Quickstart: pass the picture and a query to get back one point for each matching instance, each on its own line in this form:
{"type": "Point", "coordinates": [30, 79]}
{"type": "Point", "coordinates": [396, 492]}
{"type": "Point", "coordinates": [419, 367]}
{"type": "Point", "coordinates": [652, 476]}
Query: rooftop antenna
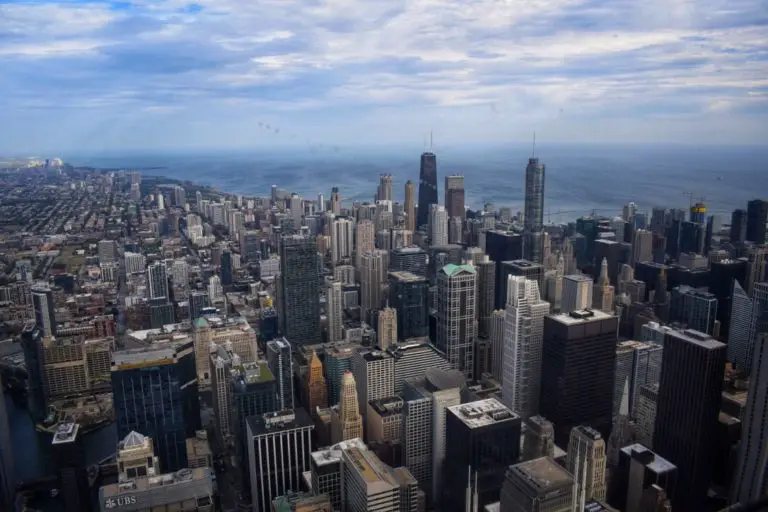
{"type": "Point", "coordinates": [534, 145]}
{"type": "Point", "coordinates": [430, 141]}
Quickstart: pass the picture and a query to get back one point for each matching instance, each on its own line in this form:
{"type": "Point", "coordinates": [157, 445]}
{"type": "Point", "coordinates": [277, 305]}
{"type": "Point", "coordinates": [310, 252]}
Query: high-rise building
{"type": "Point", "coordinates": [577, 293]}
{"type": "Point", "coordinates": [537, 485]}
{"type": "Point", "coordinates": [342, 231]}
{"type": "Point", "coordinates": [299, 289]}
{"type": "Point", "coordinates": [688, 408]}
{"type": "Point", "coordinates": [374, 373]}
{"type": "Point", "coordinates": [525, 268]}
{"type": "Point", "coordinates": [427, 187]}
{"type": "Point", "coordinates": [279, 448]}
{"type": "Point", "coordinates": [338, 360]}
{"type": "Point", "coordinates": [334, 310]}
{"type": "Point", "coordinates": [346, 420]}
{"type": "Point", "coordinates": [751, 475]}
{"type": "Point", "coordinates": [107, 251]}
{"type": "Point", "coordinates": [413, 360]}
{"type": "Point", "coordinates": [227, 267]}
{"type": "Point", "coordinates": [486, 293]}
{"type": "Point", "coordinates": [456, 324]}
{"type": "Point", "coordinates": [68, 448]}
{"type": "Point", "coordinates": [45, 315]}
{"type": "Point", "coordinates": [372, 273]}
{"type": "Point", "coordinates": [502, 246]}
{"type": "Point", "coordinates": [637, 364]}
{"type": "Point", "coordinates": [533, 216]}
{"type": "Point", "coordinates": [602, 291]}
{"type": "Point", "coordinates": [155, 392]}
{"type": "Point", "coordinates": [409, 259]}
{"type": "Point", "coordinates": [249, 245]}
{"type": "Point", "coordinates": [317, 391]}
{"type": "Point", "coordinates": [642, 246]}
{"type": "Point", "coordinates": [639, 468]}
{"type": "Point", "coordinates": [539, 438]}
{"type": "Point", "coordinates": [694, 308]}
{"type": "Point", "coordinates": [387, 328]}
{"type": "Point", "coordinates": [384, 193]}
{"type": "Point", "coordinates": [408, 295]}
{"type": "Point", "coordinates": [523, 338]}
{"type": "Point", "coordinates": [586, 462]}
{"type": "Point", "coordinates": [746, 322]}
{"type": "Point", "coordinates": [7, 470]}
{"type": "Point", "coordinates": [497, 344]}
{"type": "Point", "coordinates": [474, 471]}
{"type": "Point", "coordinates": [756, 267]}
{"type": "Point", "coordinates": [417, 433]}
{"type": "Point", "coordinates": [410, 206]}
{"type": "Point", "coordinates": [757, 216]}
{"type": "Point", "coordinates": [281, 366]}
{"type": "Point", "coordinates": [738, 232]}
{"type": "Point", "coordinates": [645, 413]}
{"type": "Point", "coordinates": [454, 196]}
{"type": "Point", "coordinates": [158, 280]}
{"type": "Point", "coordinates": [31, 343]}
{"type": "Point", "coordinates": [438, 225]}
{"type": "Point", "coordinates": [578, 371]}
{"type": "Point", "coordinates": [222, 360]}
{"type": "Point", "coordinates": [369, 484]}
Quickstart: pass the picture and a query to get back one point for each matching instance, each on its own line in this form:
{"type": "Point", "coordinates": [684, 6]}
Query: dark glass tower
{"type": "Point", "coordinates": [299, 306]}
{"type": "Point", "coordinates": [226, 268]}
{"type": "Point", "coordinates": [533, 220]}
{"type": "Point", "coordinates": [757, 215]}
{"type": "Point", "coordinates": [482, 439]}
{"type": "Point", "coordinates": [577, 372]}
{"type": "Point", "coordinates": [501, 246]}
{"type": "Point", "coordinates": [687, 412]}
{"type": "Point", "coordinates": [738, 227]}
{"type": "Point", "coordinates": [427, 187]}
{"type": "Point", "coordinates": [31, 344]}
{"type": "Point", "coordinates": [45, 317]}
{"type": "Point", "coordinates": [408, 295]}
{"type": "Point", "coordinates": [280, 364]}
{"type": "Point", "coordinates": [156, 394]}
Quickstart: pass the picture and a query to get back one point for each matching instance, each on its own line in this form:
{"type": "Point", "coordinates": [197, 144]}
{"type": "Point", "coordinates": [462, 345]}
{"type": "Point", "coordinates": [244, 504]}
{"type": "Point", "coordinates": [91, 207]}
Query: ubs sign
{"type": "Point", "coordinates": [122, 501]}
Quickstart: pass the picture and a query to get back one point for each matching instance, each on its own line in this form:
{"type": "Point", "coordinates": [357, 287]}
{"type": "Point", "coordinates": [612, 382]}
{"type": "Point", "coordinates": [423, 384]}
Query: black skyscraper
{"type": "Point", "coordinates": [31, 344]}
{"type": "Point", "coordinates": [501, 246]}
{"type": "Point", "coordinates": [69, 451]}
{"type": "Point", "coordinates": [721, 277]}
{"type": "Point", "coordinates": [524, 268]}
{"type": "Point", "coordinates": [577, 372]}
{"type": "Point", "coordinates": [226, 268]}
{"type": "Point", "coordinates": [687, 412]}
{"type": "Point", "coordinates": [408, 294]}
{"type": "Point", "coordinates": [738, 227]}
{"type": "Point", "coordinates": [299, 306]}
{"type": "Point", "coordinates": [757, 215]}
{"type": "Point", "coordinates": [427, 187]}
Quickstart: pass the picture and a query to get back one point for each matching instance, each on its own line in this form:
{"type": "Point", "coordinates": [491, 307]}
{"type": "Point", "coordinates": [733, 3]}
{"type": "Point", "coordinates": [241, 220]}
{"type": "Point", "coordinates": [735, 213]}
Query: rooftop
{"type": "Point", "coordinates": [374, 355]}
{"type": "Point", "coordinates": [581, 316]}
{"type": "Point", "coordinates": [452, 270]}
{"type": "Point", "coordinates": [279, 421]}
{"type": "Point", "coordinates": [251, 373]}
{"type": "Point", "coordinates": [332, 454]}
{"type": "Point", "coordinates": [522, 263]}
{"type": "Point", "coordinates": [160, 355]}
{"type": "Point", "coordinates": [483, 412]}
{"type": "Point", "coordinates": [201, 478]}
{"type": "Point", "coordinates": [544, 474]}
{"type": "Point", "coordinates": [578, 277]}
{"type": "Point", "coordinates": [387, 406]}
{"type": "Point", "coordinates": [701, 339]}
{"type": "Point", "coordinates": [659, 463]}
{"type": "Point", "coordinates": [65, 433]}
{"type": "Point", "coordinates": [407, 277]}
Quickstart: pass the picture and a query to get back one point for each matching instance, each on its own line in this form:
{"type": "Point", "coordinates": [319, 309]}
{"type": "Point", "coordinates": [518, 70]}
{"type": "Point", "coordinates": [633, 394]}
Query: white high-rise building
{"type": "Point", "coordinates": [334, 310]}
{"type": "Point", "coordinates": [342, 232]}
{"type": "Point", "coordinates": [523, 338]}
{"type": "Point", "coordinates": [134, 263]}
{"type": "Point", "coordinates": [374, 373]}
{"type": "Point", "coordinates": [577, 293]}
{"type": "Point", "coordinates": [297, 210]}
{"type": "Point", "coordinates": [364, 240]}
{"type": "Point", "coordinates": [586, 462]}
{"type": "Point", "coordinates": [179, 273]}
{"type": "Point", "coordinates": [372, 273]}
{"type": "Point", "coordinates": [497, 345]}
{"type": "Point", "coordinates": [215, 290]}
{"type": "Point", "coordinates": [438, 225]}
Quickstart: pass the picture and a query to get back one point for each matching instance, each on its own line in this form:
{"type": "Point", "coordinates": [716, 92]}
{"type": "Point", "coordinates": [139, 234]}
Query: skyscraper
{"type": "Point", "coordinates": [31, 344]}
{"type": "Point", "coordinates": [738, 231]}
{"type": "Point", "coordinates": [438, 225]}
{"type": "Point", "coordinates": [342, 231]}
{"type": "Point", "coordinates": [533, 219]}
{"type": "Point", "coordinates": [746, 322]}
{"type": "Point", "coordinates": [374, 373]}
{"type": "Point", "coordinates": [482, 440]}
{"type": "Point", "coordinates": [45, 315]}
{"type": "Point", "coordinates": [387, 328]}
{"type": "Point", "coordinates": [525, 268]}
{"type": "Point", "coordinates": [384, 193]}
{"type": "Point", "coordinates": [751, 475]}
{"type": "Point", "coordinates": [346, 421]}
{"type": "Point", "coordinates": [372, 272]}
{"type": "Point", "coordinates": [334, 310]}
{"type": "Point", "coordinates": [523, 337]}
{"type": "Point", "coordinates": [317, 391]}
{"type": "Point", "coordinates": [155, 392]}
{"type": "Point", "coordinates": [637, 364]}
{"type": "Point", "coordinates": [158, 280]}
{"type": "Point", "coordinates": [299, 289]}
{"type": "Point", "coordinates": [410, 206]}
{"type": "Point", "coordinates": [280, 364]}
{"type": "Point", "coordinates": [486, 293]}
{"type": "Point", "coordinates": [279, 448]}
{"type": "Point", "coordinates": [456, 324]}
{"type": "Point", "coordinates": [408, 295]}
{"type": "Point", "coordinates": [757, 215]}
{"type": "Point", "coordinates": [538, 485]}
{"type": "Point", "coordinates": [694, 308]}
{"type": "Point", "coordinates": [688, 408]}
{"type": "Point", "coordinates": [586, 462]}
{"type": "Point", "coordinates": [410, 259]}
{"type": "Point", "coordinates": [602, 292]}
{"type": "Point", "coordinates": [7, 473]}
{"type": "Point", "coordinates": [639, 468]}
{"type": "Point", "coordinates": [577, 293]}
{"type": "Point", "coordinates": [454, 196]}
{"type": "Point", "coordinates": [578, 371]}
{"type": "Point", "coordinates": [427, 187]}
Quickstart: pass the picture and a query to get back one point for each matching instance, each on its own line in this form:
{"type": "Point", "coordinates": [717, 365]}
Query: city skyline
{"type": "Point", "coordinates": [137, 75]}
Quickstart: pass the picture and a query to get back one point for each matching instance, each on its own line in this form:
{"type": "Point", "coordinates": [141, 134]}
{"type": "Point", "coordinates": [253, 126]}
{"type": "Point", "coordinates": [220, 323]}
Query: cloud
{"type": "Point", "coordinates": [385, 69]}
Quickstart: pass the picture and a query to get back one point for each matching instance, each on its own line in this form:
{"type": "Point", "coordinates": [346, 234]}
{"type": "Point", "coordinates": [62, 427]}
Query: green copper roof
{"type": "Point", "coordinates": [452, 269]}
{"type": "Point", "coordinates": [201, 323]}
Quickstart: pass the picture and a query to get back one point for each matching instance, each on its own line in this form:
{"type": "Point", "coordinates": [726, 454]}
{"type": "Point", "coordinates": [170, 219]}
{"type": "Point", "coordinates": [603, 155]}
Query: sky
{"type": "Point", "coordinates": [170, 74]}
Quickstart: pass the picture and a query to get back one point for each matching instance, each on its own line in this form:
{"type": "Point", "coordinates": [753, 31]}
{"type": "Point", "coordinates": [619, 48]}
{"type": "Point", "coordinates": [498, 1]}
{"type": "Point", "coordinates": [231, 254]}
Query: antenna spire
{"type": "Point", "coordinates": [533, 155]}
{"type": "Point", "coordinates": [430, 140]}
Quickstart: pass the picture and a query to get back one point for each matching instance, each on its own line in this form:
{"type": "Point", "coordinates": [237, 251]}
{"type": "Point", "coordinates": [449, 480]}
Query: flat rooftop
{"type": "Point", "coordinates": [659, 463]}
{"type": "Point", "coordinates": [581, 316]}
{"type": "Point", "coordinates": [374, 355]}
{"type": "Point", "coordinates": [543, 474]}
{"type": "Point", "coordinates": [201, 477]}
{"type": "Point", "coordinates": [578, 277]}
{"type": "Point", "coordinates": [151, 354]}
{"type": "Point", "coordinates": [483, 412]}
{"type": "Point", "coordinates": [274, 422]}
{"type": "Point", "coordinates": [407, 277]}
{"type": "Point", "coordinates": [701, 339]}
{"type": "Point", "coordinates": [332, 454]}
